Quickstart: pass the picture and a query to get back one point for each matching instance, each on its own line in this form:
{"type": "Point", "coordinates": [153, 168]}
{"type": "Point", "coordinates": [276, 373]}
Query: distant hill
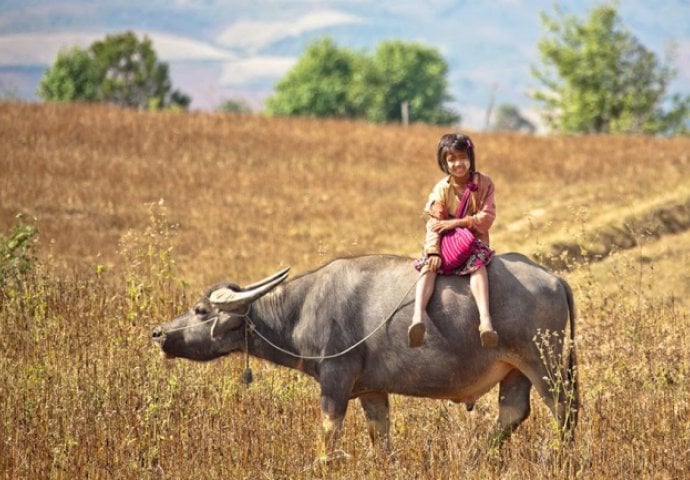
{"type": "Point", "coordinates": [219, 50]}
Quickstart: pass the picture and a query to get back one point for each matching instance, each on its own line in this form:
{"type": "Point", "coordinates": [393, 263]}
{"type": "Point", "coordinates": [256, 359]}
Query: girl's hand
{"type": "Point", "coordinates": [441, 226]}
{"type": "Point", "coordinates": [434, 263]}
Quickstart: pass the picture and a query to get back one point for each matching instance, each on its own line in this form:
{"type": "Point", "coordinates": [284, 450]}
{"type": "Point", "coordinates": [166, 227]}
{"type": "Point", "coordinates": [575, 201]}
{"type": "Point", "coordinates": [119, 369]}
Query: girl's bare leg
{"type": "Point", "coordinates": [423, 292]}
{"type": "Point", "coordinates": [479, 284]}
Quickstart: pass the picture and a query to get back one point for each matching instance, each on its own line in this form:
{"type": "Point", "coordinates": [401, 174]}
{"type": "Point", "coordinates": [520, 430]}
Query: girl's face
{"type": "Point", "coordinates": [458, 164]}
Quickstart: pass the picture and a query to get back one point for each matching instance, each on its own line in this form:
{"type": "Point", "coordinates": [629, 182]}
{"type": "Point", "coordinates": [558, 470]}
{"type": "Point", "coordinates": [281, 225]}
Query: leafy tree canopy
{"type": "Point", "coordinates": [234, 106]}
{"type": "Point", "coordinates": [412, 73]}
{"type": "Point", "coordinates": [509, 119]}
{"type": "Point", "coordinates": [73, 76]}
{"type": "Point", "coordinates": [120, 69]}
{"type": "Point", "coordinates": [331, 81]}
{"type": "Point", "coordinates": [599, 78]}
{"type": "Point", "coordinates": [318, 84]}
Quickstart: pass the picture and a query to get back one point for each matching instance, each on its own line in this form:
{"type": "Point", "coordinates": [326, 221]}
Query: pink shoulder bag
{"type": "Point", "coordinates": [458, 244]}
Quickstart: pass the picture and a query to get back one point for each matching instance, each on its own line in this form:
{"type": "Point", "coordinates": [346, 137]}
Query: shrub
{"type": "Point", "coordinates": [17, 251]}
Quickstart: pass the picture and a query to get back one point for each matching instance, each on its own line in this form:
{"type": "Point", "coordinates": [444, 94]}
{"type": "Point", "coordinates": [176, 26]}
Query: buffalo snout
{"type": "Point", "coordinates": [158, 336]}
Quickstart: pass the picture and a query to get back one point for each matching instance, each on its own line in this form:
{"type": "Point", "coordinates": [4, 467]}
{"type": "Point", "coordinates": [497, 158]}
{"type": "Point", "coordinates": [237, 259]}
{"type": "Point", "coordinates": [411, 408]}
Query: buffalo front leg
{"type": "Point", "coordinates": [333, 408]}
{"type": "Point", "coordinates": [513, 407]}
{"type": "Point", "coordinates": [376, 411]}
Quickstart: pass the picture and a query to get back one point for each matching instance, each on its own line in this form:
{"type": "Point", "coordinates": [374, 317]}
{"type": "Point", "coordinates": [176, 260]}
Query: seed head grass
{"type": "Point", "coordinates": [138, 212]}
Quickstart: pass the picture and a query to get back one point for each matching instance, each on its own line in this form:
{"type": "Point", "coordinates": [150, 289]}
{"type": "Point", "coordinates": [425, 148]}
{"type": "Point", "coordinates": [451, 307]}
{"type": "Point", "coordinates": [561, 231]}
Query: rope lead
{"type": "Point", "coordinates": [247, 376]}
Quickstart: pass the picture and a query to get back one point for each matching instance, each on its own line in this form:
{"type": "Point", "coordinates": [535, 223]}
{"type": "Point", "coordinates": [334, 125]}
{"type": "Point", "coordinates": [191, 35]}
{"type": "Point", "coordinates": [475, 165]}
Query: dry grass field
{"type": "Point", "coordinates": [138, 212]}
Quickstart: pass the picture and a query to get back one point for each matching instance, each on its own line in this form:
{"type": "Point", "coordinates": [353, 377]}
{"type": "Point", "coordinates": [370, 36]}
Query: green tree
{"type": "Point", "coordinates": [120, 69]}
{"type": "Point", "coordinates": [317, 85]}
{"type": "Point", "coordinates": [131, 74]}
{"type": "Point", "coordinates": [599, 78]}
{"type": "Point", "coordinates": [330, 81]}
{"type": "Point", "coordinates": [412, 73]}
{"type": "Point", "coordinates": [509, 119]}
{"type": "Point", "coordinates": [73, 77]}
{"type": "Point", "coordinates": [234, 106]}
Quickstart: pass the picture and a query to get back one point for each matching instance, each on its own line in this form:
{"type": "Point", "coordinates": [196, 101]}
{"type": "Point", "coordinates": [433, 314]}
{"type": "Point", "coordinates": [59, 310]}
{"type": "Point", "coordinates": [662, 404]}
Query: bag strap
{"type": "Point", "coordinates": [464, 201]}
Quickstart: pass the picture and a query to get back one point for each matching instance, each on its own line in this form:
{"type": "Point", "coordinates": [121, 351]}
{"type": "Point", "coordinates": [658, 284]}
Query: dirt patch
{"type": "Point", "coordinates": [630, 232]}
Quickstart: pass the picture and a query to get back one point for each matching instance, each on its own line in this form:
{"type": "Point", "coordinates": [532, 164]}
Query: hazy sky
{"type": "Point", "coordinates": [219, 49]}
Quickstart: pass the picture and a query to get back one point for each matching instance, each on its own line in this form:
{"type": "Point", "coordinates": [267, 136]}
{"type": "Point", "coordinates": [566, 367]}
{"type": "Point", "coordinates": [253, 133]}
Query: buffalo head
{"type": "Point", "coordinates": [215, 325]}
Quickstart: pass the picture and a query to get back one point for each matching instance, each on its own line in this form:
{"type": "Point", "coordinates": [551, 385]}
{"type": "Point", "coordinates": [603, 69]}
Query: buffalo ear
{"type": "Point", "coordinates": [224, 295]}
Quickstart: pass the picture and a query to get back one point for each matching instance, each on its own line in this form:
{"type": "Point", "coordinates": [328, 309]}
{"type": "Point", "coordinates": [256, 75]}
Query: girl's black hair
{"type": "Point", "coordinates": [454, 142]}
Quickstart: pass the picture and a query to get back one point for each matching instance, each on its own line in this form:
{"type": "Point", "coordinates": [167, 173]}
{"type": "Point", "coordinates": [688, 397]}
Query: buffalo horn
{"type": "Point", "coordinates": [267, 279]}
{"type": "Point", "coordinates": [250, 293]}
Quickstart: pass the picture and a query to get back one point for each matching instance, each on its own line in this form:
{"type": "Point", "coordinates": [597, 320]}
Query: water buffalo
{"type": "Point", "coordinates": [345, 324]}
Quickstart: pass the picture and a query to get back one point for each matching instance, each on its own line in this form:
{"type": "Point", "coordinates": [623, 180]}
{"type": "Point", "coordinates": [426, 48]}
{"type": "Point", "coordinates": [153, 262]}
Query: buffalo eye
{"type": "Point", "coordinates": [200, 310]}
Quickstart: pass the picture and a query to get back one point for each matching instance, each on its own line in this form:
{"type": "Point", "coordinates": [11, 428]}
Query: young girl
{"type": "Point", "coordinates": [455, 156]}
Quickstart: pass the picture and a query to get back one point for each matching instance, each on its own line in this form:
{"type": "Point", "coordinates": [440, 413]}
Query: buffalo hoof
{"type": "Point", "coordinates": [489, 338]}
{"type": "Point", "coordinates": [415, 335]}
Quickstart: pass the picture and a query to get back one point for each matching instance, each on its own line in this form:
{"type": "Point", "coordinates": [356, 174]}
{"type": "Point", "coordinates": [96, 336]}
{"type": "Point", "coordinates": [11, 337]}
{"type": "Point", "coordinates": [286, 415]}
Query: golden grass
{"type": "Point", "coordinates": [83, 393]}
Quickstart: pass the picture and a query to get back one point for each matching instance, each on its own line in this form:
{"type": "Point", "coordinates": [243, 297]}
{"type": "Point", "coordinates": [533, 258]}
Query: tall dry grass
{"type": "Point", "coordinates": [83, 393]}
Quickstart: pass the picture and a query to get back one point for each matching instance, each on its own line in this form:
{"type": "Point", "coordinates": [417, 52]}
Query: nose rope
{"type": "Point", "coordinates": [213, 319]}
{"type": "Point", "coordinates": [247, 375]}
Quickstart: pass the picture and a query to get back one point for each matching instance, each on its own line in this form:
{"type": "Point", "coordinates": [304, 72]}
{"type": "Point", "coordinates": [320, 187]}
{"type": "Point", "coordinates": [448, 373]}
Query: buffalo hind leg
{"type": "Point", "coordinates": [513, 407]}
{"type": "Point", "coordinates": [376, 411]}
{"type": "Point", "coordinates": [559, 392]}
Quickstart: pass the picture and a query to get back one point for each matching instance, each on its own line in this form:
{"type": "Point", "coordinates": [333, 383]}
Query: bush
{"type": "Point", "coordinates": [17, 251]}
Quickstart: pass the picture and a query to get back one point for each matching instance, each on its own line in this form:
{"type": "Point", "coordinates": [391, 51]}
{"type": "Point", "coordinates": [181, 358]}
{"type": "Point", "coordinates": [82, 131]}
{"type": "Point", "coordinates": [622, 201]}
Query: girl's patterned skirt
{"type": "Point", "coordinates": [480, 257]}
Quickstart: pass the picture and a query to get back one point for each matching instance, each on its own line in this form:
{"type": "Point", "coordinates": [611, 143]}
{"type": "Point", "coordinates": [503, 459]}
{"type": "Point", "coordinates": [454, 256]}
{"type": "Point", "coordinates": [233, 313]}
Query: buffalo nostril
{"type": "Point", "coordinates": [157, 332]}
